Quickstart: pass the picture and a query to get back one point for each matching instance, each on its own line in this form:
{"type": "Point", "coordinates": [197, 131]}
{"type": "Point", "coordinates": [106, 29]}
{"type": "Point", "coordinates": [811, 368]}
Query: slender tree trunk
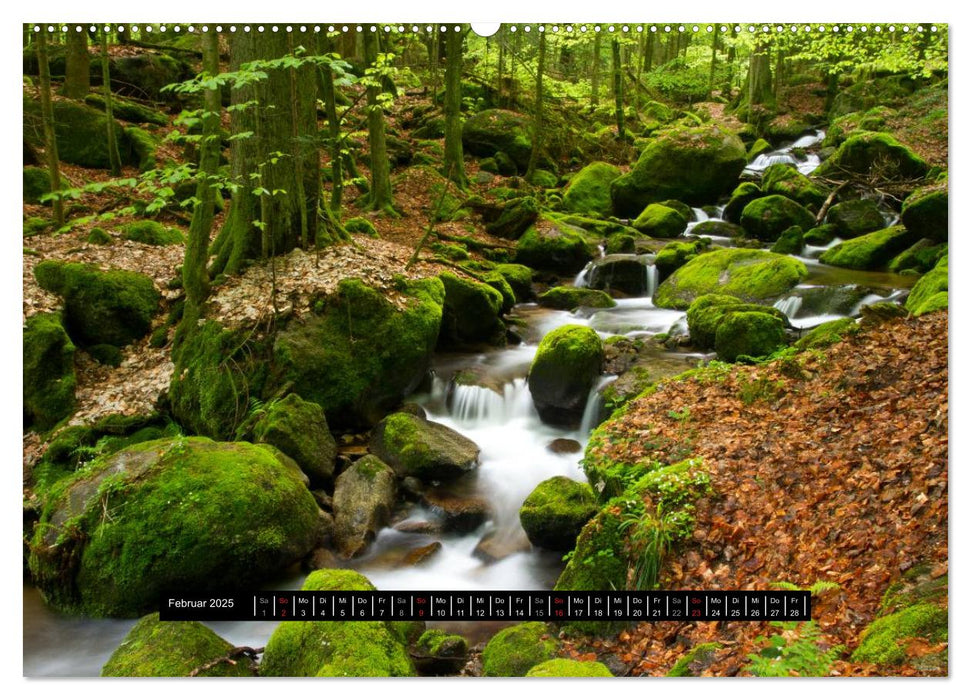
{"type": "Point", "coordinates": [649, 52]}
{"type": "Point", "coordinates": [730, 60]}
{"type": "Point", "coordinates": [714, 60]}
{"type": "Point", "coordinates": [537, 111]}
{"type": "Point", "coordinates": [595, 75]}
{"type": "Point", "coordinates": [380, 196]}
{"type": "Point", "coordinates": [50, 140]}
{"type": "Point", "coordinates": [502, 66]}
{"type": "Point", "coordinates": [113, 156]}
{"type": "Point", "coordinates": [454, 164]}
{"type": "Point", "coordinates": [195, 278]}
{"type": "Point", "coordinates": [77, 74]}
{"type": "Point", "coordinates": [759, 76]}
{"type": "Point", "coordinates": [618, 90]}
{"type": "Point", "coordinates": [328, 94]}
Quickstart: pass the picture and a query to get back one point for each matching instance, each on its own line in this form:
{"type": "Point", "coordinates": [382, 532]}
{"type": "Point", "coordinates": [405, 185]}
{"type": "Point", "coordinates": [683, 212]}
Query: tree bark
{"type": "Point", "coordinates": [380, 195]}
{"type": "Point", "coordinates": [595, 76]}
{"type": "Point", "coordinates": [537, 110]}
{"type": "Point", "coordinates": [618, 90]}
{"type": "Point", "coordinates": [114, 158]}
{"type": "Point", "coordinates": [77, 73]}
{"type": "Point", "coordinates": [714, 60]}
{"type": "Point", "coordinates": [454, 164]}
{"type": "Point", "coordinates": [329, 97]}
{"type": "Point", "coordinates": [50, 141]}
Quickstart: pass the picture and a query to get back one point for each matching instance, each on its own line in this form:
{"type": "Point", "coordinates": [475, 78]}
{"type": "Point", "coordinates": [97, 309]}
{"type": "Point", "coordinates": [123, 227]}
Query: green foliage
{"type": "Point", "coordinates": [795, 652]}
{"type": "Point", "coordinates": [48, 372]}
{"type": "Point", "coordinates": [515, 650]}
{"type": "Point", "coordinates": [682, 666]}
{"type": "Point", "coordinates": [883, 641]}
{"type": "Point", "coordinates": [151, 233]}
{"type": "Point", "coordinates": [568, 668]}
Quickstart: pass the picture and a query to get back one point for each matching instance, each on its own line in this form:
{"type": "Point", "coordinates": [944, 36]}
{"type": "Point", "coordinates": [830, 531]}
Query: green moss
{"type": "Point", "coordinates": [826, 334]}
{"type": "Point", "coordinates": [820, 235]}
{"type": "Point", "coordinates": [884, 641]}
{"type": "Point", "coordinates": [660, 221]}
{"type": "Point", "coordinates": [113, 307]}
{"type": "Point", "coordinates": [34, 225]}
{"type": "Point", "coordinates": [568, 668]}
{"type": "Point", "coordinates": [924, 212]}
{"type": "Point", "coordinates": [128, 111]}
{"type": "Point", "coordinates": [151, 233]}
{"type": "Point", "coordinates": [106, 354]}
{"type": "Point", "coordinates": [182, 514]}
{"type": "Point", "coordinates": [144, 147]}
{"type": "Point", "coordinates": [784, 179]}
{"type": "Point", "coordinates": [543, 178]}
{"type": "Point", "coordinates": [599, 561]}
{"type": "Point", "coordinates": [758, 148]}
{"type": "Point", "coordinates": [682, 666]}
{"type": "Point", "coordinates": [871, 153]}
{"type": "Point", "coordinates": [674, 255]}
{"type": "Point", "coordinates": [517, 215]}
{"type": "Point", "coordinates": [855, 217]}
{"type": "Point", "coordinates": [471, 313]}
{"type": "Point", "coordinates": [566, 365]}
{"type": "Point", "coordinates": [439, 653]}
{"type": "Point", "coordinates": [515, 650]}
{"type": "Point", "coordinates": [363, 354]}
{"type": "Point", "coordinates": [520, 278]}
{"type": "Point", "coordinates": [37, 182]}
{"type": "Point", "coordinates": [676, 485]}
{"type": "Point", "coordinates": [930, 292]}
{"type": "Point", "coordinates": [789, 242]}
{"type": "Point", "coordinates": [498, 282]}
{"type": "Point", "coordinates": [750, 275]}
{"type": "Point", "coordinates": [299, 429]}
{"type": "Point", "coordinates": [156, 649]}
{"type": "Point", "coordinates": [98, 236]}
{"type": "Point", "coordinates": [569, 298]}
{"type": "Point", "coordinates": [555, 512]}
{"type": "Point", "coordinates": [558, 247]}
{"type": "Point", "coordinates": [766, 218]}
{"type": "Point", "coordinates": [920, 257]}
{"type": "Point", "coordinates": [361, 225]}
{"type": "Point", "coordinates": [498, 130]}
{"type": "Point", "coordinates": [749, 334]}
{"type": "Point", "coordinates": [430, 451]}
{"type": "Point", "coordinates": [741, 196]}
{"type": "Point", "coordinates": [48, 372]}
{"type": "Point", "coordinates": [589, 190]}
{"type": "Point", "coordinates": [81, 133]}
{"type": "Point", "coordinates": [620, 243]}
{"type": "Point", "coordinates": [872, 251]}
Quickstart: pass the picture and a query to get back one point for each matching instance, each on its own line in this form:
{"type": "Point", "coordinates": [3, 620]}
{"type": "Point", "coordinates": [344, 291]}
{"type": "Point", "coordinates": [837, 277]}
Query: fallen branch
{"type": "Point", "coordinates": [823, 210]}
{"type": "Point", "coordinates": [230, 658]}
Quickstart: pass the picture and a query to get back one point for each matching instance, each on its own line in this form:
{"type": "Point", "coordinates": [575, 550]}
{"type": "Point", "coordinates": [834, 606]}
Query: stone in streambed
{"type": "Point", "coordinates": [429, 451]}
{"type": "Point", "coordinates": [567, 364]}
{"type": "Point", "coordinates": [364, 497]}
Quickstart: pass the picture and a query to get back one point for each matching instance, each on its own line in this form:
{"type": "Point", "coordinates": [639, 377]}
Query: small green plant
{"type": "Point", "coordinates": [651, 538]}
{"type": "Point", "coordinates": [815, 589]}
{"type": "Point", "coordinates": [760, 389]}
{"type": "Point", "coordinates": [796, 651]}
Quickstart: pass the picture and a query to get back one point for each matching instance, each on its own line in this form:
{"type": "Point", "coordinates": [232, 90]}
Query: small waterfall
{"type": "Point", "coordinates": [789, 305]}
{"type": "Point", "coordinates": [700, 214]}
{"type": "Point", "coordinates": [478, 404]}
{"type": "Point", "coordinates": [650, 274]}
{"type": "Point", "coordinates": [582, 279]}
{"type": "Point", "coordinates": [591, 412]}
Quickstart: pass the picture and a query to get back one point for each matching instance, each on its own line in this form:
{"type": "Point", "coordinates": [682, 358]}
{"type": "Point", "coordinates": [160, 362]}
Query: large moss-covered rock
{"type": "Point", "coordinates": [564, 370]}
{"type": "Point", "coordinates": [81, 134]}
{"type": "Point", "coordinates": [825, 334]}
{"type": "Point", "coordinates": [362, 354]}
{"type": "Point", "coordinates": [784, 179]}
{"type": "Point", "coordinates": [555, 246]}
{"type": "Point", "coordinates": [873, 153]}
{"type": "Point", "coordinates": [299, 429]}
{"type": "Point", "coordinates": [336, 649]}
{"type": "Point", "coordinates": [568, 668]}
{"type": "Point", "coordinates": [930, 292]}
{"type": "Point", "coordinates": [693, 165]}
{"type": "Point", "coordinates": [515, 650]}
{"type": "Point", "coordinates": [589, 190]}
{"type": "Point", "coordinates": [151, 233]}
{"type": "Point", "coordinates": [493, 130]}
{"type": "Point", "coordinates": [855, 217]}
{"type": "Point", "coordinates": [789, 242]}
{"type": "Point", "coordinates": [555, 512]}
{"type": "Point", "coordinates": [925, 212]}
{"type": "Point", "coordinates": [751, 275]}
{"type": "Point", "coordinates": [37, 182]}
{"type": "Point", "coordinates": [438, 653]}
{"type": "Point", "coordinates": [660, 221]}
{"type": "Point", "coordinates": [598, 562]}
{"type": "Point", "coordinates": [414, 446]}
{"type": "Point", "coordinates": [872, 251]}
{"type": "Point", "coordinates": [674, 255]}
{"type": "Point", "coordinates": [144, 147]}
{"type": "Point", "coordinates": [767, 217]}
{"type": "Point", "coordinates": [114, 307]}
{"type": "Point", "coordinates": [49, 378]}
{"type": "Point", "coordinates": [471, 313]}
{"type": "Point", "coordinates": [364, 497]}
{"type": "Point", "coordinates": [516, 217]}
{"type": "Point", "coordinates": [619, 273]}
{"type": "Point", "coordinates": [128, 111]}
{"type": "Point", "coordinates": [707, 312]}
{"type": "Point", "coordinates": [741, 196]}
{"type": "Point", "coordinates": [520, 279]}
{"type": "Point", "coordinates": [750, 334]}
{"type": "Point", "coordinates": [157, 649]}
{"type": "Point", "coordinates": [918, 258]}
{"type": "Point", "coordinates": [569, 298]}
{"type": "Point", "coordinates": [885, 640]}
{"type": "Point", "coordinates": [168, 515]}
{"type": "Point", "coordinates": [144, 75]}
{"type": "Point", "coordinates": [499, 283]}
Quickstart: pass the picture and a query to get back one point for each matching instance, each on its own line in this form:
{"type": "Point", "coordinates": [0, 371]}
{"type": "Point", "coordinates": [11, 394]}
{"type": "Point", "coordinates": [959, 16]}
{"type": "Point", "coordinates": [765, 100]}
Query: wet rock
{"type": "Point", "coordinates": [438, 653]}
{"type": "Point", "coordinates": [430, 451]}
{"type": "Point", "coordinates": [855, 217]}
{"type": "Point", "coordinates": [364, 497]}
{"type": "Point", "coordinates": [495, 546]}
{"type": "Point", "coordinates": [564, 446]}
{"type": "Point", "coordinates": [298, 428]}
{"type": "Point", "coordinates": [459, 514]}
{"type": "Point", "coordinates": [420, 527]}
{"type": "Point", "coordinates": [411, 487]}
{"type": "Point", "coordinates": [620, 273]}
{"type": "Point", "coordinates": [564, 371]}
{"type": "Point", "coordinates": [421, 555]}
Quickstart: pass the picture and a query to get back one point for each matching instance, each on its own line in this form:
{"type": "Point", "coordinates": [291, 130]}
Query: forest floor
{"type": "Point", "coordinates": [831, 467]}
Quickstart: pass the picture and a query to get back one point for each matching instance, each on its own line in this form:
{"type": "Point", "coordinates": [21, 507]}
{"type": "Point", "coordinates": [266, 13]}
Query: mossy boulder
{"type": "Point", "coordinates": [820, 235]}
{"type": "Point", "coordinates": [750, 334]}
{"type": "Point", "coordinates": [520, 279]}
{"type": "Point", "coordinates": [751, 275]}
{"type": "Point", "coordinates": [515, 650]}
{"type": "Point", "coordinates": [516, 216]}
{"type": "Point", "coordinates": [49, 379]}
{"type": "Point", "coordinates": [336, 649]}
{"type": "Point", "coordinates": [128, 111]}
{"type": "Point", "coordinates": [438, 653]}
{"type": "Point", "coordinates": [784, 179]}
{"type": "Point", "coordinates": [620, 243]}
{"type": "Point", "coordinates": [569, 298]}
{"type": "Point", "coordinates": [414, 446]}
{"type": "Point", "coordinates": [599, 562]}
{"type": "Point", "coordinates": [151, 233]}
{"type": "Point", "coordinates": [884, 641]}
{"type": "Point", "coordinates": [361, 225]}
{"type": "Point", "coordinates": [37, 182]}
{"type": "Point", "coordinates": [694, 165]}
{"type": "Point", "coordinates": [759, 147]}
{"type": "Point", "coordinates": [674, 255]}
{"type": "Point", "coordinates": [826, 334]}
{"type": "Point", "coordinates": [157, 649]}
{"type": "Point", "coordinates": [874, 153]}
{"type": "Point", "coordinates": [144, 146]}
{"type": "Point", "coordinates": [182, 514]}
{"type": "Point", "coordinates": [766, 218]}
{"type": "Point", "coordinates": [114, 307]}
{"type": "Point", "coordinates": [589, 190]}
{"type": "Point", "coordinates": [81, 134]}
{"type": "Point", "coordinates": [620, 273]}
{"type": "Point", "coordinates": [505, 165]}
{"type": "Point", "coordinates": [555, 512]}
{"type": "Point", "coordinates": [930, 292]}
{"type": "Point", "coordinates": [924, 212]}
{"type": "Point", "coordinates": [471, 314]}
{"type": "Point", "coordinates": [566, 366]}
{"type": "Point", "coordinates": [98, 236]}
{"type": "Point", "coordinates": [499, 283]}
{"type": "Point", "coordinates": [741, 196]}
{"type": "Point", "coordinates": [568, 668]}
{"type": "Point", "coordinates": [543, 178]}
{"type": "Point", "coordinates": [554, 246]}
{"type": "Point", "coordinates": [789, 242]}
{"type": "Point", "coordinates": [363, 353]}
{"type": "Point", "coordinates": [494, 130]}
{"type": "Point", "coordinates": [299, 429]}
{"type": "Point", "coordinates": [918, 258]}
{"type": "Point", "coordinates": [871, 251]}
{"type": "Point", "coordinates": [718, 228]}
{"type": "Point", "coordinates": [707, 312]}
{"type": "Point", "coordinates": [364, 498]}
{"type": "Point", "coordinates": [145, 74]}
{"type": "Point", "coordinates": [855, 217]}
{"type": "Point", "coordinates": [660, 221]}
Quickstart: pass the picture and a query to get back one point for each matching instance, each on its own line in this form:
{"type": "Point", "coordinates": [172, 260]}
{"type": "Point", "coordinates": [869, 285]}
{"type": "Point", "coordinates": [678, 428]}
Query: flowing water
{"type": "Point", "coordinates": [515, 454]}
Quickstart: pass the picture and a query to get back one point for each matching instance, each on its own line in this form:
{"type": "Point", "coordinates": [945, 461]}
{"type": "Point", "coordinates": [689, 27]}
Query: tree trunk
{"type": "Point", "coordinates": [77, 74]}
{"type": "Point", "coordinates": [714, 61]}
{"type": "Point", "coordinates": [195, 278]}
{"type": "Point", "coordinates": [380, 195]}
{"type": "Point", "coordinates": [759, 76]}
{"type": "Point", "coordinates": [50, 141]}
{"type": "Point", "coordinates": [730, 60]}
{"type": "Point", "coordinates": [329, 97]}
{"type": "Point", "coordinates": [649, 52]}
{"type": "Point", "coordinates": [454, 165]}
{"type": "Point", "coordinates": [595, 76]}
{"type": "Point", "coordinates": [618, 90]}
{"type": "Point", "coordinates": [113, 156]}
{"type": "Point", "coordinates": [537, 110]}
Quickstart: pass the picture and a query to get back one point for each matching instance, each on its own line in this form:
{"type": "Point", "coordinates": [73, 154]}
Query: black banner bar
{"type": "Point", "coordinates": [490, 606]}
